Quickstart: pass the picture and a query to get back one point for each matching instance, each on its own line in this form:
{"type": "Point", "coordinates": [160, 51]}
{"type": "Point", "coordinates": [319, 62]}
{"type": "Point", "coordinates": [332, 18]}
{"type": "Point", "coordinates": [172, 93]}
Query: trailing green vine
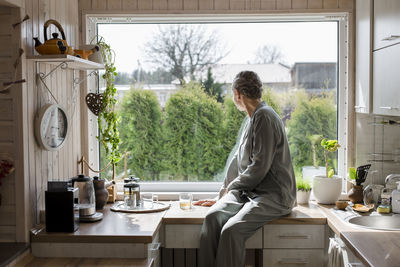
{"type": "Point", "coordinates": [108, 118]}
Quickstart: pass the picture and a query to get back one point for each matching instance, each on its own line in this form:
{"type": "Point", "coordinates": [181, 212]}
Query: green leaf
{"type": "Point", "coordinates": [352, 173]}
{"type": "Point", "coordinates": [330, 173]}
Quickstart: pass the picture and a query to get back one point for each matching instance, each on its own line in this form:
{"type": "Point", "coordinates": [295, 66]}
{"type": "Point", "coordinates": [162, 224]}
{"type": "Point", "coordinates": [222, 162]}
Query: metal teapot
{"type": "Point", "coordinates": [100, 190]}
{"type": "Point", "coordinates": [55, 45]}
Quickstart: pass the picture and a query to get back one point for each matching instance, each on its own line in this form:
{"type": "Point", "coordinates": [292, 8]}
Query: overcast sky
{"type": "Point", "coordinates": [298, 41]}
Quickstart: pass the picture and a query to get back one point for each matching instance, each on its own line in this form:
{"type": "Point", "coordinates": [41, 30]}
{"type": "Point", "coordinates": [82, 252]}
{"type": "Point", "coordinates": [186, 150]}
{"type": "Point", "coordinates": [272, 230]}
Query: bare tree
{"type": "Point", "coordinates": [184, 49]}
{"type": "Point", "coordinates": [268, 54]}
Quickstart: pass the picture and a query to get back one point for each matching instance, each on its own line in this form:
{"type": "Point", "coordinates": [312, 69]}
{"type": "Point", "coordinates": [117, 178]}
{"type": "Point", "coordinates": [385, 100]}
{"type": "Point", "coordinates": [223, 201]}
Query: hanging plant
{"type": "Point", "coordinates": [108, 118]}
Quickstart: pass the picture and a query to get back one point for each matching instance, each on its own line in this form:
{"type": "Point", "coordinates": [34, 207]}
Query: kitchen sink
{"type": "Point", "coordinates": [388, 223]}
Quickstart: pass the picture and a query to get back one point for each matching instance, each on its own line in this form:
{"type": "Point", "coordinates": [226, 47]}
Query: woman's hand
{"type": "Point", "coordinates": [205, 202]}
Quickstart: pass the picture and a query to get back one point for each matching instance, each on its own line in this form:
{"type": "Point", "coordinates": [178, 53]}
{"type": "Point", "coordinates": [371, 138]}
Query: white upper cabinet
{"type": "Point", "coordinates": [386, 81]}
{"type": "Point", "coordinates": [386, 23]}
{"type": "Point", "coordinates": [363, 56]}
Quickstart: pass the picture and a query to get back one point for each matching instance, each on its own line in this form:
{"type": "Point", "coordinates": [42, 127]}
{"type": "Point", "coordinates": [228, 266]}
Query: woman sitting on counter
{"type": "Point", "coordinates": [259, 185]}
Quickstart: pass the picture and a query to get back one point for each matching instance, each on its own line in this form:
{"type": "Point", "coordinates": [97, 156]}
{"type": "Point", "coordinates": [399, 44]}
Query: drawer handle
{"type": "Point", "coordinates": [390, 108]}
{"type": "Point", "coordinates": [293, 261]}
{"type": "Point", "coordinates": [391, 38]}
{"type": "Point", "coordinates": [294, 236]}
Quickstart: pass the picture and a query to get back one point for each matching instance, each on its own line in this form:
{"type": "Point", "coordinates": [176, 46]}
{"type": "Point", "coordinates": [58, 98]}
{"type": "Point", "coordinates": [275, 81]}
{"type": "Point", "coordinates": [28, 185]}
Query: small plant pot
{"type": "Point", "coordinates": [303, 197]}
{"type": "Point", "coordinates": [327, 190]}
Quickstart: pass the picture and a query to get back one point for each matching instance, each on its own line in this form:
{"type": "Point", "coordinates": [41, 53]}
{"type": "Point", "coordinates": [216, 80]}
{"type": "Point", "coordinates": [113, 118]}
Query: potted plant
{"type": "Point", "coordinates": [310, 171]}
{"type": "Point", "coordinates": [327, 188]}
{"type": "Point", "coordinates": [108, 118]}
{"type": "Point", "coordinates": [303, 191]}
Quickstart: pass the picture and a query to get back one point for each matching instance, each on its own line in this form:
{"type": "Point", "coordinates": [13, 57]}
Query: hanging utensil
{"type": "Point", "coordinates": [362, 172]}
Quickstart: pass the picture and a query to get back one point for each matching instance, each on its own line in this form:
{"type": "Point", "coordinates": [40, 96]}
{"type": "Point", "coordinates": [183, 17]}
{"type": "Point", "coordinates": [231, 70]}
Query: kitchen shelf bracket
{"type": "Point", "coordinates": [63, 65]}
{"type": "Point", "coordinates": [78, 81]}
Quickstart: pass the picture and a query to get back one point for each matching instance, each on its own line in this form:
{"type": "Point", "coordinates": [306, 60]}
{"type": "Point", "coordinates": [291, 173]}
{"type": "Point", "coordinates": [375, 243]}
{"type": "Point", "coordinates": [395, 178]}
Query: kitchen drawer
{"type": "Point", "coordinates": [188, 236]}
{"type": "Point", "coordinates": [293, 257]}
{"type": "Point", "coordinates": [294, 236]}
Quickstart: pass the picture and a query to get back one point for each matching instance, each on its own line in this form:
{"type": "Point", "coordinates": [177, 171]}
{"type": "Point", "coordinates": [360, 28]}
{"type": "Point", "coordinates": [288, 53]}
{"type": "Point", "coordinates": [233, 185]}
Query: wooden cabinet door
{"type": "Point", "coordinates": [386, 81]}
{"type": "Point", "coordinates": [386, 23]}
{"type": "Point", "coordinates": [363, 56]}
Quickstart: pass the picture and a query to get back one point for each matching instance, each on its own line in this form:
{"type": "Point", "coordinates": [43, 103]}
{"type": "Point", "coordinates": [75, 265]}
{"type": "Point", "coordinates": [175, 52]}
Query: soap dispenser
{"type": "Point", "coordinates": [396, 199]}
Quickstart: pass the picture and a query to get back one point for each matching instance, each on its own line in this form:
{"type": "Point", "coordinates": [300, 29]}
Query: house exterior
{"type": "Point", "coordinates": [274, 76]}
{"type": "Point", "coordinates": [314, 77]}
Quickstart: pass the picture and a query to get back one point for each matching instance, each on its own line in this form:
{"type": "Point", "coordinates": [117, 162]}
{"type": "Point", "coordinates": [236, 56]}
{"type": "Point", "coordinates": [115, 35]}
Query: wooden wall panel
{"type": "Point", "coordinates": [330, 4]}
{"type": "Point", "coordinates": [7, 124]}
{"type": "Point", "coordinates": [346, 4]}
{"type": "Point", "coordinates": [268, 4]}
{"type": "Point", "coordinates": [99, 4]}
{"type": "Point", "coordinates": [206, 4]}
{"type": "Point", "coordinates": [34, 166]}
{"type": "Point", "coordinates": [6, 109]}
{"type": "Point", "coordinates": [191, 4]}
{"type": "Point", "coordinates": [237, 4]}
{"type": "Point", "coordinates": [214, 6]}
{"type": "Point", "coordinates": [145, 4]}
{"type": "Point", "coordinates": [129, 5]}
{"type": "Point", "coordinates": [315, 4]}
{"type": "Point", "coordinates": [221, 5]}
{"type": "Point", "coordinates": [114, 4]}
{"type": "Point", "coordinates": [255, 4]}
{"type": "Point", "coordinates": [7, 131]}
{"type": "Point", "coordinates": [284, 4]}
{"type": "Point", "coordinates": [299, 4]}
{"type": "Point", "coordinates": [160, 4]}
{"type": "Point", "coordinates": [175, 4]}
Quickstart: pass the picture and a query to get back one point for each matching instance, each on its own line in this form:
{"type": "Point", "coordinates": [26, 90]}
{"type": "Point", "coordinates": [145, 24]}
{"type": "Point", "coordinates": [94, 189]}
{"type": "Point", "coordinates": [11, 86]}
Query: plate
{"type": "Point", "coordinates": [363, 208]}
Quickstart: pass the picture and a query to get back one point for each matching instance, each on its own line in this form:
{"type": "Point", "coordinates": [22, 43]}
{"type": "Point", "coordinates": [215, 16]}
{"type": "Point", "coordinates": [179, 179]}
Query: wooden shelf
{"type": "Point", "coordinates": [71, 61]}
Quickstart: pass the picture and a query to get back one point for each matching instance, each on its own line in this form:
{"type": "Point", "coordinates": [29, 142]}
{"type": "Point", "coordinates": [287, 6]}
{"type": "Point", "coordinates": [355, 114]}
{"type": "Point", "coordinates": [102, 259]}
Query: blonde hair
{"type": "Point", "coordinates": [248, 83]}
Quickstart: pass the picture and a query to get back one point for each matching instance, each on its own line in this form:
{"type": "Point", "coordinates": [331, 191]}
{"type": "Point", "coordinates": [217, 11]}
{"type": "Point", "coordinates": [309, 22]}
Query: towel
{"type": "Point", "coordinates": [337, 254]}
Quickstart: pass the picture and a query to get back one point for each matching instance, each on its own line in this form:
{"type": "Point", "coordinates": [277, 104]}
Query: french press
{"type": "Point", "coordinates": [131, 192]}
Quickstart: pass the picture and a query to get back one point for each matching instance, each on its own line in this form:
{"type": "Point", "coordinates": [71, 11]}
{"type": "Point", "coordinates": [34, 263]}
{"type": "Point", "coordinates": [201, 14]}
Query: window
{"type": "Point", "coordinates": [178, 120]}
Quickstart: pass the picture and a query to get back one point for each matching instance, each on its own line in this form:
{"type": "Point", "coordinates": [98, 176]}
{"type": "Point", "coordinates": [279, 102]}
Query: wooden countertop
{"type": "Point", "coordinates": [302, 214]}
{"type": "Point", "coordinates": [115, 227]}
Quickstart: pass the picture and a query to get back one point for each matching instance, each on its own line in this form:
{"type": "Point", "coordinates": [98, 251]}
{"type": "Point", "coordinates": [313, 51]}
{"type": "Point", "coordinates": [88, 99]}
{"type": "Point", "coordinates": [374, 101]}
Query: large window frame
{"type": "Point", "coordinates": [211, 188]}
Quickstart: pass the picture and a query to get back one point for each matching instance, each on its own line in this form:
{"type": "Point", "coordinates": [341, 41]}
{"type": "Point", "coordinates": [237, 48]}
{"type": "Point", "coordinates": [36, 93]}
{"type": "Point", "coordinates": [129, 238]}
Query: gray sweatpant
{"type": "Point", "coordinates": [229, 223]}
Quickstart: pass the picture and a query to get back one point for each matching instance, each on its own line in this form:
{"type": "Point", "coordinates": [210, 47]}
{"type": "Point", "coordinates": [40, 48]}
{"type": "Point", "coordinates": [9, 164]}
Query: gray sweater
{"type": "Point", "coordinates": [262, 165]}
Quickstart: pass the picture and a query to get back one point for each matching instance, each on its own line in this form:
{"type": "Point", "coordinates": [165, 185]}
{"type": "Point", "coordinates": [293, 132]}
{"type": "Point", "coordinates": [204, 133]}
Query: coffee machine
{"type": "Point", "coordinates": [61, 207]}
{"type": "Point", "coordinates": [87, 201]}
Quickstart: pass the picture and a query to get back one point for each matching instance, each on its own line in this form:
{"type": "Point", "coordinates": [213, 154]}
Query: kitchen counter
{"type": "Point", "coordinates": [373, 247]}
{"type": "Point", "coordinates": [115, 227]}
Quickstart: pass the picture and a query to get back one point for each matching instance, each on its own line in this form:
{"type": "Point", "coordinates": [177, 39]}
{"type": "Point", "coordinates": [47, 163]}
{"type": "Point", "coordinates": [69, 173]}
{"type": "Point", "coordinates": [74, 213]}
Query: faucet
{"type": "Point", "coordinates": [389, 178]}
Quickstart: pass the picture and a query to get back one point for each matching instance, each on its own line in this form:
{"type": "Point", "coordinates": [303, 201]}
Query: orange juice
{"type": "Point", "coordinates": [185, 205]}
